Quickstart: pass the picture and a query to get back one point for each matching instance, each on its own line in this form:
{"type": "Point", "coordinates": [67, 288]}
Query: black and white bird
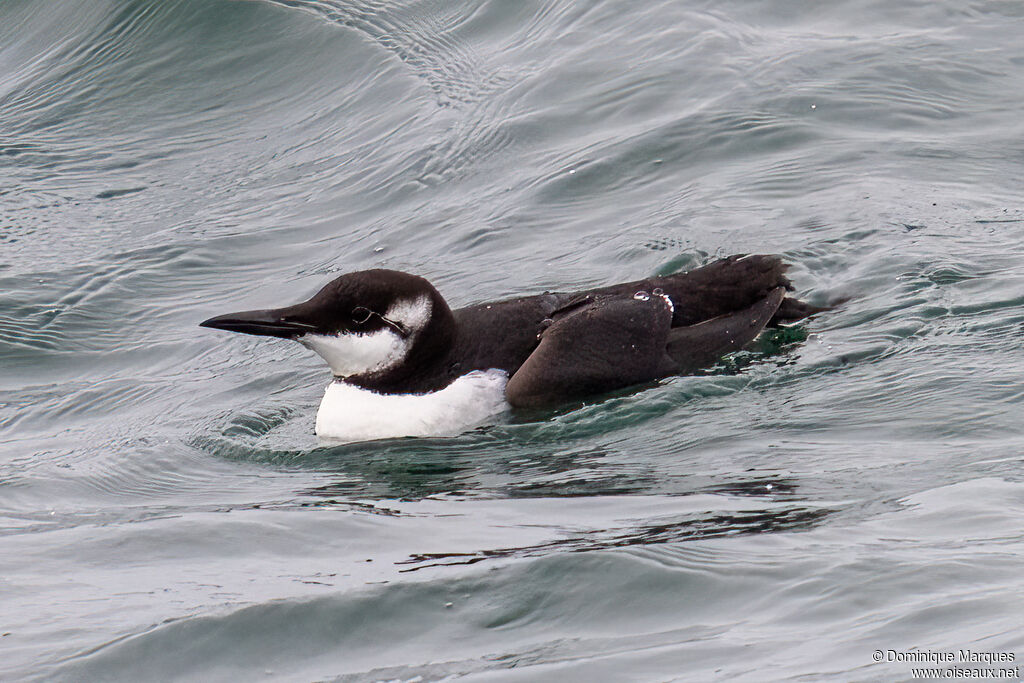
{"type": "Point", "coordinates": [405, 364]}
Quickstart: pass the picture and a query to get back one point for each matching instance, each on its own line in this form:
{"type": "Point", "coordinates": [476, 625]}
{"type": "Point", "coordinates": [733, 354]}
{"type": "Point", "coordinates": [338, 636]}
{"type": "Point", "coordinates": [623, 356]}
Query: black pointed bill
{"type": "Point", "coordinates": [266, 323]}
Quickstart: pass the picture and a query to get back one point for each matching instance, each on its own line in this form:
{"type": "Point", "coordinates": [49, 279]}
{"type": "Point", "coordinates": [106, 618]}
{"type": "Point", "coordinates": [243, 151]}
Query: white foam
{"type": "Point", "coordinates": [351, 413]}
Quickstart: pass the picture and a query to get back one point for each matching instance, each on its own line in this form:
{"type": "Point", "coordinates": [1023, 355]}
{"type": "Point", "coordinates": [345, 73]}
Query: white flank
{"type": "Point", "coordinates": [351, 413]}
{"type": "Point", "coordinates": [355, 354]}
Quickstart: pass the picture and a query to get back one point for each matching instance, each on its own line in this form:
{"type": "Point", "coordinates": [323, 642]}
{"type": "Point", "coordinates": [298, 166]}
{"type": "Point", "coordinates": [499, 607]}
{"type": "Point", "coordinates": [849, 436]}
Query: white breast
{"type": "Point", "coordinates": [351, 413]}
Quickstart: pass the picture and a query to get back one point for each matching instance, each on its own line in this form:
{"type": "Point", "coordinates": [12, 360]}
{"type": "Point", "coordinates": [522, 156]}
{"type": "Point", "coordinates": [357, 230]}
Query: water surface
{"type": "Point", "coordinates": [165, 510]}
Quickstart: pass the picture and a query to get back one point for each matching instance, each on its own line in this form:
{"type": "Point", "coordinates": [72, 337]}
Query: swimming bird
{"type": "Point", "coordinates": [405, 364]}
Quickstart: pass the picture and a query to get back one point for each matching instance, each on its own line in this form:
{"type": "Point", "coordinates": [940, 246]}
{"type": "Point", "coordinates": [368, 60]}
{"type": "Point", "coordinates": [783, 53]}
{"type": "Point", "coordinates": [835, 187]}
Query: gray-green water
{"type": "Point", "coordinates": [166, 511]}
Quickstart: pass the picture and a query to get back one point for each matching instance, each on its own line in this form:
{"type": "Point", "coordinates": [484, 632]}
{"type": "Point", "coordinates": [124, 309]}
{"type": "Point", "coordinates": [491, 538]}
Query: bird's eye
{"type": "Point", "coordinates": [360, 314]}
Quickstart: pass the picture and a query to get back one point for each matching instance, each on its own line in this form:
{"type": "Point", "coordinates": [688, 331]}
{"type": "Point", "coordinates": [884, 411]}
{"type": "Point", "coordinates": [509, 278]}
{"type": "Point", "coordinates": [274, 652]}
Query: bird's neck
{"type": "Point", "coordinates": [425, 366]}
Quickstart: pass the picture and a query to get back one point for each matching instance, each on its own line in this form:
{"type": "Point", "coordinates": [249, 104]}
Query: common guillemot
{"type": "Point", "coordinates": [405, 364]}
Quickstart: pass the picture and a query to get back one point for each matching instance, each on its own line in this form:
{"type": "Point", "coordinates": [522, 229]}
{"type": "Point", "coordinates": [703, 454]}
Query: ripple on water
{"type": "Point", "coordinates": [849, 484]}
{"type": "Point", "coordinates": [543, 613]}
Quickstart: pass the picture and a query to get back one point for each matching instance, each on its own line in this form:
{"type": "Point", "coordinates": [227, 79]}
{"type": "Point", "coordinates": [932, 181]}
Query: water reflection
{"type": "Point", "coordinates": [689, 529]}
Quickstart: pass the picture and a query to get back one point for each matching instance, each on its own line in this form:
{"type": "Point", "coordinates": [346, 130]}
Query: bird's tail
{"type": "Point", "coordinates": [697, 346]}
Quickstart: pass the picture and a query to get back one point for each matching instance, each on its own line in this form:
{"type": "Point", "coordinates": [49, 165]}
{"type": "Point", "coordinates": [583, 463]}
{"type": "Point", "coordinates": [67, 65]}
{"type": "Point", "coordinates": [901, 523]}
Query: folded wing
{"type": "Point", "coordinates": [605, 343]}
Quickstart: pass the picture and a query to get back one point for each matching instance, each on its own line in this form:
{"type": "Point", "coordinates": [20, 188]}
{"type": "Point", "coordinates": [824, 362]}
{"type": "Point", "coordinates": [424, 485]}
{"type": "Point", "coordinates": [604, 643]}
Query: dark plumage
{"type": "Point", "coordinates": [554, 346]}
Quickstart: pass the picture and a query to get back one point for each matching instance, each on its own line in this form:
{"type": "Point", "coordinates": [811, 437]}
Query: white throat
{"type": "Point", "coordinates": [356, 354]}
